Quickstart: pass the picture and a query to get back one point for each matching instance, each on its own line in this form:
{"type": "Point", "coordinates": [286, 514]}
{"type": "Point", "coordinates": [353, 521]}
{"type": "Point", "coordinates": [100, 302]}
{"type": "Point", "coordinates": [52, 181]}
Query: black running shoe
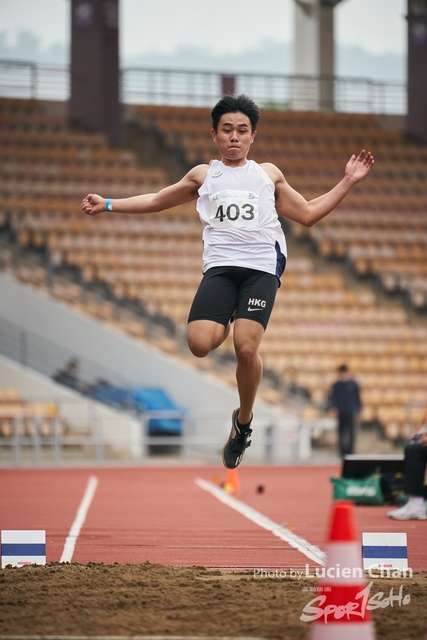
{"type": "Point", "coordinates": [238, 441]}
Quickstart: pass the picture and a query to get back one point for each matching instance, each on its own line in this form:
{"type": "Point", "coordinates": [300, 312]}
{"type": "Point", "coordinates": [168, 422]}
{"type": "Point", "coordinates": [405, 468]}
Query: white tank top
{"type": "Point", "coordinates": [240, 224]}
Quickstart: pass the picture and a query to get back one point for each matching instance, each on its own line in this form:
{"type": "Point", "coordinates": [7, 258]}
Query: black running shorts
{"type": "Point", "coordinates": [225, 290]}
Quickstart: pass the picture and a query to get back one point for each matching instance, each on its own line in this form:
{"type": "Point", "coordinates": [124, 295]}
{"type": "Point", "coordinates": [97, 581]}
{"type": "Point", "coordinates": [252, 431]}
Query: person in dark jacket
{"type": "Point", "coordinates": [69, 375]}
{"type": "Point", "coordinates": [344, 402]}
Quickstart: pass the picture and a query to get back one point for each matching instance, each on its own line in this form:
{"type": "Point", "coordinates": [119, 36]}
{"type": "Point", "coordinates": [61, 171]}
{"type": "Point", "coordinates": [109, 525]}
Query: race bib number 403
{"type": "Point", "coordinates": [234, 209]}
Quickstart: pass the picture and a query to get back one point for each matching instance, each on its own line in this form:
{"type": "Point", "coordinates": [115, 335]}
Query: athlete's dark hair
{"type": "Point", "coordinates": [235, 104]}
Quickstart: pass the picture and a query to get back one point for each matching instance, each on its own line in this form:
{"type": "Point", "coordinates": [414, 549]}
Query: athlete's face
{"type": "Point", "coordinates": [234, 137]}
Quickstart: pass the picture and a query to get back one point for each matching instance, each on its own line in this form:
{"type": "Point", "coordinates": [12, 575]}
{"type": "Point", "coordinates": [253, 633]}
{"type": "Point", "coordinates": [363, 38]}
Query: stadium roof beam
{"type": "Point", "coordinates": [94, 102]}
{"type": "Point", "coordinates": [416, 123]}
{"type": "Point", "coordinates": [314, 54]}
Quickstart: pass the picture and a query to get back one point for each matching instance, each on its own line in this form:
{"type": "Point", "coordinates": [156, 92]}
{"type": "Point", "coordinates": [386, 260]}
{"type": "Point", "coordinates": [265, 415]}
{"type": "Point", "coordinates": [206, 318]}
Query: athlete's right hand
{"type": "Point", "coordinates": [93, 204]}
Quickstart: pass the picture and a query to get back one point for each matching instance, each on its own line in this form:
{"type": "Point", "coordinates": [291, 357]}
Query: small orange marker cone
{"type": "Point", "coordinates": [341, 610]}
{"type": "Point", "coordinates": [232, 484]}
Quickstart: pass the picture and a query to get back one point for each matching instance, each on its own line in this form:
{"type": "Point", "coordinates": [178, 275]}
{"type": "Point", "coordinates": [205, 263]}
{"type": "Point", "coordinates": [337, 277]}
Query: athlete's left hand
{"type": "Point", "coordinates": [358, 166]}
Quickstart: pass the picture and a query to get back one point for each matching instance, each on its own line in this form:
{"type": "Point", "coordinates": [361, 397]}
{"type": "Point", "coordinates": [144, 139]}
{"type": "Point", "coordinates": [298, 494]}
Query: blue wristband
{"type": "Point", "coordinates": [109, 205]}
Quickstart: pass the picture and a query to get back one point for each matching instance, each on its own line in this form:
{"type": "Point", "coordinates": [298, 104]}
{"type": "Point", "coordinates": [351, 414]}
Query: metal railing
{"type": "Point", "coordinates": [63, 431]}
{"type": "Point", "coordinates": [143, 85]}
{"type": "Point", "coordinates": [79, 433]}
{"type": "Point", "coordinates": [33, 81]}
{"type": "Point", "coordinates": [83, 429]}
{"type": "Point", "coordinates": [28, 440]}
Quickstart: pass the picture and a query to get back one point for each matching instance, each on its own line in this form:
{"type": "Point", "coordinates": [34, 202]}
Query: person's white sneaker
{"type": "Point", "coordinates": [409, 511]}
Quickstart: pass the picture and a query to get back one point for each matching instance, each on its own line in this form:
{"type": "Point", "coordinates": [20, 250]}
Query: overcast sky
{"type": "Point", "coordinates": [222, 26]}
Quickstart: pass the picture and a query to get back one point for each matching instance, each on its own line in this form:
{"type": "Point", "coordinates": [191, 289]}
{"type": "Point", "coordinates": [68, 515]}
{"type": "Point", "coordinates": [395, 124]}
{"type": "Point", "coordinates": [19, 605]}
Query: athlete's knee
{"type": "Point", "coordinates": [199, 344]}
{"type": "Point", "coordinates": [203, 338]}
{"type": "Point", "coordinates": [198, 349]}
{"type": "Point", "coordinates": [246, 353]}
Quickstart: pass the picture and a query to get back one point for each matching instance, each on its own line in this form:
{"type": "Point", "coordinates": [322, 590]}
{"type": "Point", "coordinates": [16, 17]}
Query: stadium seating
{"type": "Point", "coordinates": [311, 149]}
{"type": "Point", "coordinates": [319, 322]}
{"type": "Point", "coordinates": [26, 417]}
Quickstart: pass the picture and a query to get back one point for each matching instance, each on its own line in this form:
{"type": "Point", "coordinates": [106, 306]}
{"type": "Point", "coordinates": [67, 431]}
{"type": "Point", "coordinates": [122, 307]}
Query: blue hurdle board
{"type": "Point", "coordinates": [384, 551]}
{"type": "Point", "coordinates": [19, 548]}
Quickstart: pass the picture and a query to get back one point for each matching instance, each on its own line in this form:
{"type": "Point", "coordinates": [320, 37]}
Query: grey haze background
{"type": "Point", "coordinates": [226, 36]}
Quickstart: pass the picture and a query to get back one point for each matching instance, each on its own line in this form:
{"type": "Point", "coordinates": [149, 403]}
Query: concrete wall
{"type": "Point", "coordinates": [208, 401]}
{"type": "Point", "coordinates": [123, 434]}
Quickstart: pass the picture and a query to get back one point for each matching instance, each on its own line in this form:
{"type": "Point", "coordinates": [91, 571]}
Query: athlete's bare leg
{"type": "Point", "coordinates": [205, 335]}
{"type": "Point", "coordinates": [247, 338]}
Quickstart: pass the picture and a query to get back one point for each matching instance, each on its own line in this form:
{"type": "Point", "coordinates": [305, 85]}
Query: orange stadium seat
{"type": "Point", "coordinates": [318, 322]}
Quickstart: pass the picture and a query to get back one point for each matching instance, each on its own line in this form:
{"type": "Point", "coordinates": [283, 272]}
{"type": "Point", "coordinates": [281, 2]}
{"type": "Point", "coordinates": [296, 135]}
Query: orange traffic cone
{"type": "Point", "coordinates": [232, 484]}
{"type": "Point", "coordinates": [340, 609]}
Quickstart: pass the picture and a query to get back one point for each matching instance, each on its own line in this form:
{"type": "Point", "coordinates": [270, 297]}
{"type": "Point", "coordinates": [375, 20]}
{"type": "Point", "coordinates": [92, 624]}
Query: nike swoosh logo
{"type": "Point", "coordinates": [256, 309]}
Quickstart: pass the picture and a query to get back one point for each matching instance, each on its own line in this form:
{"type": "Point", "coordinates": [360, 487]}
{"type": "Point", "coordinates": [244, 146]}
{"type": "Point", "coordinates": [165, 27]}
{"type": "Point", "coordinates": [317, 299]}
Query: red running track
{"type": "Point", "coordinates": [161, 515]}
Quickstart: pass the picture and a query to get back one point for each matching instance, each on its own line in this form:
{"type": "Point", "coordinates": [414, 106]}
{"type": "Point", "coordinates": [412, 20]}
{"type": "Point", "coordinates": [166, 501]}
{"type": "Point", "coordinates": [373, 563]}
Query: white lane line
{"type": "Point", "coordinates": [81, 514]}
{"type": "Point", "coordinates": [309, 550]}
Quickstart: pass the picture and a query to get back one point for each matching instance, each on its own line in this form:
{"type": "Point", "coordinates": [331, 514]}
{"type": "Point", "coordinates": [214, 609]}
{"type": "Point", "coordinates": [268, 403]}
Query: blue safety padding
{"type": "Point", "coordinates": [385, 552]}
{"type": "Point", "coordinates": [156, 399]}
{"type": "Point", "coordinates": [114, 396]}
{"type": "Point", "coordinates": [23, 549]}
{"type": "Point", "coordinates": [141, 399]}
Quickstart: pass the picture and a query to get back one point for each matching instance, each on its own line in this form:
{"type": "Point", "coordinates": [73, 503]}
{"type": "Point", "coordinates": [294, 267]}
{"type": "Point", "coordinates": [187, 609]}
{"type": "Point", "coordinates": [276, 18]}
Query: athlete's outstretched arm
{"type": "Point", "coordinates": [292, 205]}
{"type": "Point", "coordinates": [183, 191]}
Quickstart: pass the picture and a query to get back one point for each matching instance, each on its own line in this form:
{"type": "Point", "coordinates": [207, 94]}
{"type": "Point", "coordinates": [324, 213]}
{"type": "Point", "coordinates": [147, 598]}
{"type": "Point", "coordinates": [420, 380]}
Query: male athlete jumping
{"type": "Point", "coordinates": [244, 254]}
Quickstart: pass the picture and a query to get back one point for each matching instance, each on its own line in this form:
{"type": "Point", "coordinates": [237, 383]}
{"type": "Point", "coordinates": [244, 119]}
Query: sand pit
{"type": "Point", "coordinates": [153, 599]}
